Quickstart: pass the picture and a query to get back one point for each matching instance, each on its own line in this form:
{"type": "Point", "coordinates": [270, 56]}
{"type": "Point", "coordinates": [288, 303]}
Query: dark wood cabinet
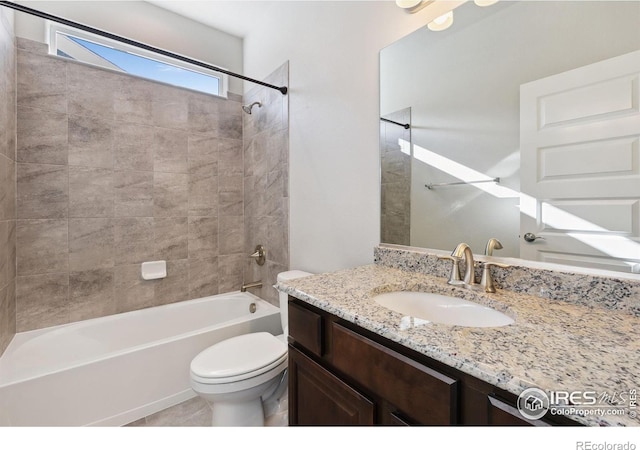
{"type": "Point", "coordinates": [306, 326]}
{"type": "Point", "coordinates": [317, 397]}
{"type": "Point", "coordinates": [501, 413]}
{"type": "Point", "coordinates": [342, 374]}
{"type": "Point", "coordinates": [421, 393]}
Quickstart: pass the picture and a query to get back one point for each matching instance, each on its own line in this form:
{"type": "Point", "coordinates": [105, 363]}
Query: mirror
{"type": "Point", "coordinates": [460, 91]}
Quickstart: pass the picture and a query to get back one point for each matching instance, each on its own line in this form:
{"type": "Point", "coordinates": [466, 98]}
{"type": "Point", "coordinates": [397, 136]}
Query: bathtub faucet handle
{"type": "Point", "coordinates": [260, 255]}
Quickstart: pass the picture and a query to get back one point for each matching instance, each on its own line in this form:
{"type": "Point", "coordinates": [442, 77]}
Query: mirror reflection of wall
{"type": "Point", "coordinates": [462, 86]}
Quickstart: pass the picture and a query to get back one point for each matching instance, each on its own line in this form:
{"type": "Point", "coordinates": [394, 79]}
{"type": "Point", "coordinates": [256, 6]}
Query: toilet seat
{"type": "Point", "coordinates": [239, 358]}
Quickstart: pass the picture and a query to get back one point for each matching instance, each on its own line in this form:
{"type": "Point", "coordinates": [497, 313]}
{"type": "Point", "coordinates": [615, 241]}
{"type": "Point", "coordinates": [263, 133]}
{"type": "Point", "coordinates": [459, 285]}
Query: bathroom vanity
{"type": "Point", "coordinates": [354, 362]}
{"type": "Point", "coordinates": [342, 374]}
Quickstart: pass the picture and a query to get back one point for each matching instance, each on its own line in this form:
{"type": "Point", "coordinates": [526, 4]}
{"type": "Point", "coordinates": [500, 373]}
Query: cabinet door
{"type": "Point", "coordinates": [317, 397]}
{"type": "Point", "coordinates": [500, 413]}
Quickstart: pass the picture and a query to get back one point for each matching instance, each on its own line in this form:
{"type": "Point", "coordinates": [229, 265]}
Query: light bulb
{"type": "Point", "coordinates": [441, 23]}
{"type": "Point", "coordinates": [406, 4]}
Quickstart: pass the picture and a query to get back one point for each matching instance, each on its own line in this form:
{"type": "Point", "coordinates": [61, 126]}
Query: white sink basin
{"type": "Point", "coordinates": [442, 309]}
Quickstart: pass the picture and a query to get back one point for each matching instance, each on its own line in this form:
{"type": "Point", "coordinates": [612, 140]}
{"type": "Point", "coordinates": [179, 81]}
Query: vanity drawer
{"type": "Point", "coordinates": [421, 393]}
{"type": "Point", "coordinates": [503, 414]}
{"type": "Point", "coordinates": [305, 327]}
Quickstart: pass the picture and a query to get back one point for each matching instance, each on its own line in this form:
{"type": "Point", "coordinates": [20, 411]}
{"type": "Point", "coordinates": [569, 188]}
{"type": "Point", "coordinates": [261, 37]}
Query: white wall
{"type": "Point", "coordinates": [143, 22]}
{"type": "Point", "coordinates": [333, 48]}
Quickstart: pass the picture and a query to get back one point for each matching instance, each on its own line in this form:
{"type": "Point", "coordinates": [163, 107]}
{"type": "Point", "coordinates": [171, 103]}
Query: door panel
{"type": "Point", "coordinates": [609, 158]}
{"type": "Point", "coordinates": [608, 216]}
{"type": "Point", "coordinates": [580, 166]}
{"type": "Point", "coordinates": [582, 103]}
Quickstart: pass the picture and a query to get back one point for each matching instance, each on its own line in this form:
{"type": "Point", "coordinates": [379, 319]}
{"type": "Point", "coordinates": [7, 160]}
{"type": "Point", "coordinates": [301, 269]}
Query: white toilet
{"type": "Point", "coordinates": [236, 375]}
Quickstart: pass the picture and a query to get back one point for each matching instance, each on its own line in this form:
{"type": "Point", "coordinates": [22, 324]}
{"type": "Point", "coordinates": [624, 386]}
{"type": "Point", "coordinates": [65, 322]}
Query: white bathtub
{"type": "Point", "coordinates": [116, 369]}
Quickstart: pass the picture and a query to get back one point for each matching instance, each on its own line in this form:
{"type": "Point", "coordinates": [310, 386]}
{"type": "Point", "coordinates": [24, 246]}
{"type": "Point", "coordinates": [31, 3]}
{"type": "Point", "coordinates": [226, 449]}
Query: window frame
{"type": "Point", "coordinates": [55, 29]}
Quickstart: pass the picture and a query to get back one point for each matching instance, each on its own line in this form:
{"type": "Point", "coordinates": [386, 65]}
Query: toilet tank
{"type": "Point", "coordinates": [284, 312]}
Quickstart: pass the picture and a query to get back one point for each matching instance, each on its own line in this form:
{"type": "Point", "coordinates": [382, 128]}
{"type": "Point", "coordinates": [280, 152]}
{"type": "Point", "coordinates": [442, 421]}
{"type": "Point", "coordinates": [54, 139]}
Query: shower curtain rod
{"type": "Point", "coordinates": [47, 16]}
{"type": "Point", "coordinates": [406, 126]}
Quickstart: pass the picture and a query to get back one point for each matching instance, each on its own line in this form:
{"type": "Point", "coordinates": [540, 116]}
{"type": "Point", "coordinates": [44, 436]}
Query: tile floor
{"type": "Point", "coordinates": [196, 413]}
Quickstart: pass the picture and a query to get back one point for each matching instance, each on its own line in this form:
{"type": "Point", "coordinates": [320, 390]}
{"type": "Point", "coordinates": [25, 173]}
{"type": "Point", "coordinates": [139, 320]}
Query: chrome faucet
{"type": "Point", "coordinates": [254, 284]}
{"type": "Point", "coordinates": [462, 251]}
{"type": "Point", "coordinates": [492, 244]}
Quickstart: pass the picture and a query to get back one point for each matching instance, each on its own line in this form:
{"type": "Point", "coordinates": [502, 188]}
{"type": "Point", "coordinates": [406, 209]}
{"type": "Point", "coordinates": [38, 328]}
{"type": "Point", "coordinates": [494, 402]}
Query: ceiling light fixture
{"type": "Point", "coordinates": [405, 4]}
{"type": "Point", "coordinates": [441, 23]}
{"type": "Point", "coordinates": [485, 2]}
{"type": "Point", "coordinates": [413, 6]}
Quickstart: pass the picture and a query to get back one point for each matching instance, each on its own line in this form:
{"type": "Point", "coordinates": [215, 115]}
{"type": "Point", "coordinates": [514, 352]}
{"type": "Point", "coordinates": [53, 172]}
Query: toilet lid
{"type": "Point", "coordinates": [238, 355]}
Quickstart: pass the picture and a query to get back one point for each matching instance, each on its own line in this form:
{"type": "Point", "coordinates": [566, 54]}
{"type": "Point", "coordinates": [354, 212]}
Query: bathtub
{"type": "Point", "coordinates": [116, 369]}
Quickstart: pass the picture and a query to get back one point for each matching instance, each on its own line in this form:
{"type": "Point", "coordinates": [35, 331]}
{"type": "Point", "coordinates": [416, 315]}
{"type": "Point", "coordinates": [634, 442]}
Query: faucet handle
{"type": "Point", "coordinates": [485, 264]}
{"type": "Point", "coordinates": [260, 255]}
{"type": "Point", "coordinates": [487, 280]}
{"type": "Point", "coordinates": [454, 276]}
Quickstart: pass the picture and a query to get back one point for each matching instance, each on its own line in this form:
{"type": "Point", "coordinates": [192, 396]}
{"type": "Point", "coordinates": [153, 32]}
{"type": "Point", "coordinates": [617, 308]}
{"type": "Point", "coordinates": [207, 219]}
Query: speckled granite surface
{"type": "Point", "coordinates": [611, 292]}
{"type": "Point", "coordinates": [553, 344]}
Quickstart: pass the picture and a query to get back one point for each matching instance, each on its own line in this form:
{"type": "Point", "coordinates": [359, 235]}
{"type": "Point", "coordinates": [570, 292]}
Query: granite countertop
{"type": "Point", "coordinates": [553, 345]}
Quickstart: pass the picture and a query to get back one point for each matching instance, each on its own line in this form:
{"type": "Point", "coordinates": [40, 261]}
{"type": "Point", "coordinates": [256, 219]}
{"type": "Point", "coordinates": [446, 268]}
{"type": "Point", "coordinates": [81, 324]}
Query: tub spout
{"type": "Point", "coordinates": [253, 284]}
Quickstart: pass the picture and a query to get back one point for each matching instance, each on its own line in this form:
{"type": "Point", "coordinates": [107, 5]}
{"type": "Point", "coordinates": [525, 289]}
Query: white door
{"type": "Point", "coordinates": [580, 166]}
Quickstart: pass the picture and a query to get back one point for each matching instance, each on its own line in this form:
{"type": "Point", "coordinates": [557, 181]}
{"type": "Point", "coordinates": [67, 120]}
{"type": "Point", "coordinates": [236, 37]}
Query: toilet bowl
{"type": "Point", "coordinates": [237, 375]}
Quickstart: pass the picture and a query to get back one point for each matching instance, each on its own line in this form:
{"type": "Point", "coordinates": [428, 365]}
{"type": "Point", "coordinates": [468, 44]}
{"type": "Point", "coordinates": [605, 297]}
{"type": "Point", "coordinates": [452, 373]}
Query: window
{"type": "Point", "coordinates": [109, 54]}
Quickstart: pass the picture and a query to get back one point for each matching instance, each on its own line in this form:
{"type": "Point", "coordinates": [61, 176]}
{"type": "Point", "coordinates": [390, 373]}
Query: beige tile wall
{"type": "Point", "coordinates": [266, 182]}
{"type": "Point", "coordinates": [7, 179]}
{"type": "Point", "coordinates": [395, 170]}
{"type": "Point", "coordinates": [113, 171]}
